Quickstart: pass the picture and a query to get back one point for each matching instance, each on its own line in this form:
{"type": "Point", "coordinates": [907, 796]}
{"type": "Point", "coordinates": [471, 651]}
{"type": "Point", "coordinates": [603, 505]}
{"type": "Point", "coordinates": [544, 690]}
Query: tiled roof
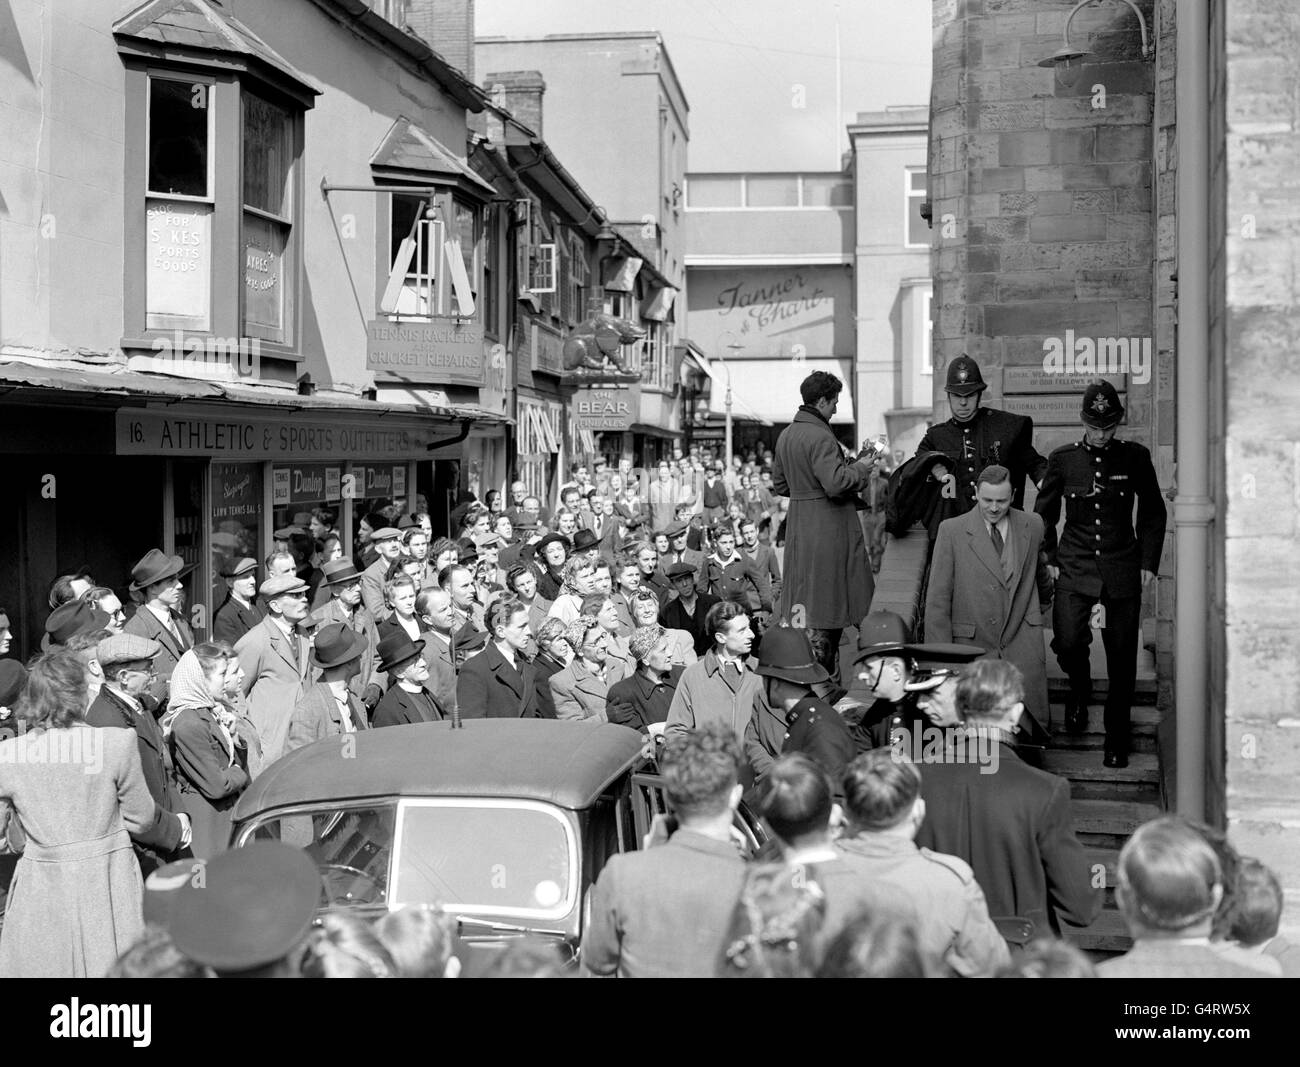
{"type": "Point", "coordinates": [203, 24]}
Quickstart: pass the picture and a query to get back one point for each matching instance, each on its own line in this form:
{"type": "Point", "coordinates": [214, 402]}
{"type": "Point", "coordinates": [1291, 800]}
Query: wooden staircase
{"type": "Point", "coordinates": [1109, 803]}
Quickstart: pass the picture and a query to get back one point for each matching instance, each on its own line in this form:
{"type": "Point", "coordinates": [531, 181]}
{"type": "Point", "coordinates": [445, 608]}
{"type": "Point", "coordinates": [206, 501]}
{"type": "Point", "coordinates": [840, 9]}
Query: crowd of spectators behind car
{"type": "Point", "coordinates": [631, 604]}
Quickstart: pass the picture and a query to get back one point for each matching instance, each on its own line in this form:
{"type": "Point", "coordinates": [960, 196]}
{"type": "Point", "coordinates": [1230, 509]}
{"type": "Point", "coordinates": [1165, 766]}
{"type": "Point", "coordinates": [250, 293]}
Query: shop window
{"type": "Point", "coordinates": [235, 518]}
{"type": "Point", "coordinates": [268, 149]}
{"type": "Point", "coordinates": [179, 204]}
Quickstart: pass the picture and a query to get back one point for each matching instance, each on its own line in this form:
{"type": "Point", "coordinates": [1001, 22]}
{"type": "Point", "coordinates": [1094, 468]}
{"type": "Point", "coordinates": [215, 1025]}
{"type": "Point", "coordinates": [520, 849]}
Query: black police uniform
{"type": "Point", "coordinates": [1101, 558]}
{"type": "Point", "coordinates": [820, 733]}
{"type": "Point", "coordinates": [989, 437]}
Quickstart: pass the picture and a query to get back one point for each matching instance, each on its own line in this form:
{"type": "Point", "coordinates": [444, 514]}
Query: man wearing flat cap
{"type": "Point", "coordinates": [328, 708]}
{"type": "Point", "coordinates": [679, 552]}
{"type": "Point", "coordinates": [1101, 558]}
{"type": "Point", "coordinates": [157, 581]}
{"type": "Point", "coordinates": [273, 655]}
{"type": "Point", "coordinates": [127, 661]}
{"type": "Point", "coordinates": [238, 613]}
{"type": "Point", "coordinates": [387, 541]}
{"type": "Point", "coordinates": [939, 482]}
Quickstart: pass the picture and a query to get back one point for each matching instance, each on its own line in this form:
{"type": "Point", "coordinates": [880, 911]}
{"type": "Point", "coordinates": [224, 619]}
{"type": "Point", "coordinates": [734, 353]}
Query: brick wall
{"type": "Point", "coordinates": [1254, 351]}
{"type": "Point", "coordinates": [448, 28]}
{"type": "Point", "coordinates": [1053, 208]}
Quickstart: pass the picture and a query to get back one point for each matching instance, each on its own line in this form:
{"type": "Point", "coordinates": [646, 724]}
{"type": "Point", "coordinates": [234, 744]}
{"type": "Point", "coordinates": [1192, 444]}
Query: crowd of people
{"type": "Point", "coordinates": [704, 609]}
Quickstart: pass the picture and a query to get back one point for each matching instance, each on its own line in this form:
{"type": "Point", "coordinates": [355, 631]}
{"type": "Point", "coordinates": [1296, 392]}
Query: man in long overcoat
{"type": "Point", "coordinates": [987, 582]}
{"type": "Point", "coordinates": [828, 583]}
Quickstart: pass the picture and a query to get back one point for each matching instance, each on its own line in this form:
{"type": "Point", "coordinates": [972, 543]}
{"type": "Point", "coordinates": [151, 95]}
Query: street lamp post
{"type": "Point", "coordinates": [726, 446]}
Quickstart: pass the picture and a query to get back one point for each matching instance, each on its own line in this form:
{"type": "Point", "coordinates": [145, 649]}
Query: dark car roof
{"type": "Point", "coordinates": [564, 763]}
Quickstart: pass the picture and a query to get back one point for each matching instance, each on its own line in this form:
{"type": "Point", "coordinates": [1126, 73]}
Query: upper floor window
{"type": "Point", "coordinates": [435, 245]}
{"type": "Point", "coordinates": [268, 142]}
{"type": "Point", "coordinates": [916, 231]}
{"type": "Point", "coordinates": [179, 203]}
{"type": "Point", "coordinates": [767, 192]}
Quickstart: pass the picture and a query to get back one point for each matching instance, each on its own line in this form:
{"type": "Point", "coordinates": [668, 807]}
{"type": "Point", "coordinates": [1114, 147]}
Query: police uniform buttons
{"type": "Point", "coordinates": [1097, 506]}
{"type": "Point", "coordinates": [1099, 522]}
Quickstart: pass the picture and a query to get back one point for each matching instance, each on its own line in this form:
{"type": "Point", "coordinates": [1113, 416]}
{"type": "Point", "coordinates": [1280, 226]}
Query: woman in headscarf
{"type": "Point", "coordinates": [209, 755]}
{"type": "Point", "coordinates": [78, 792]}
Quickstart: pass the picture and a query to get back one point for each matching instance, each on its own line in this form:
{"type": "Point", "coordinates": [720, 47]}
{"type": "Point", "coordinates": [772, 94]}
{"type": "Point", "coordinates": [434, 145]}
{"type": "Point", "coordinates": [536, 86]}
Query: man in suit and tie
{"type": "Point", "coordinates": [274, 657]}
{"type": "Point", "coordinates": [437, 619]}
{"type": "Point", "coordinates": [238, 614]}
{"type": "Point", "coordinates": [157, 578]}
{"type": "Point", "coordinates": [328, 708]}
{"type": "Point", "coordinates": [408, 700]}
{"type": "Point", "coordinates": [679, 552]}
{"type": "Point", "coordinates": [127, 662]}
{"type": "Point", "coordinates": [497, 683]}
{"type": "Point", "coordinates": [986, 579]}
{"type": "Point", "coordinates": [341, 579]}
{"type": "Point", "coordinates": [387, 541]}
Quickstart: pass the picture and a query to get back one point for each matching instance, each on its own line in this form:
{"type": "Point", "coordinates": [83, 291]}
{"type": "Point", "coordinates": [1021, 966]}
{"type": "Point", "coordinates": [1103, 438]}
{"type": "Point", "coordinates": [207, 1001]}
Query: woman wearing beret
{"type": "Point", "coordinates": [209, 754]}
{"type": "Point", "coordinates": [78, 792]}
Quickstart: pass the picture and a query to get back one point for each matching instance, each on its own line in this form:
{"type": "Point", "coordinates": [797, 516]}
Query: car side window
{"type": "Point", "coordinates": [351, 847]}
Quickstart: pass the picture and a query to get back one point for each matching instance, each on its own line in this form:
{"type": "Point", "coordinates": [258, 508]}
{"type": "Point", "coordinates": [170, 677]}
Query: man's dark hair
{"type": "Point", "coordinates": [796, 798]}
{"type": "Point", "coordinates": [700, 768]}
{"type": "Point", "coordinates": [874, 946]}
{"type": "Point", "coordinates": [722, 613]}
{"type": "Point", "coordinates": [993, 474]}
{"type": "Point", "coordinates": [820, 385]}
{"type": "Point", "coordinates": [879, 789]}
{"type": "Point", "coordinates": [1048, 958]}
{"type": "Point", "coordinates": [1229, 864]}
{"type": "Point", "coordinates": [501, 611]}
{"type": "Point", "coordinates": [1257, 904]}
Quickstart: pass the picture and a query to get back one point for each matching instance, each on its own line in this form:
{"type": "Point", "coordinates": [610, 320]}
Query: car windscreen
{"type": "Point", "coordinates": [481, 856]}
{"type": "Point", "coordinates": [352, 846]}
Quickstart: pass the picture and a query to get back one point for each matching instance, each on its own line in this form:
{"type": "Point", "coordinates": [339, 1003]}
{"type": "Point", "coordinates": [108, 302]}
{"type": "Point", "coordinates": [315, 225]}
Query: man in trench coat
{"type": "Point", "coordinates": [986, 590]}
{"type": "Point", "coordinates": [828, 583]}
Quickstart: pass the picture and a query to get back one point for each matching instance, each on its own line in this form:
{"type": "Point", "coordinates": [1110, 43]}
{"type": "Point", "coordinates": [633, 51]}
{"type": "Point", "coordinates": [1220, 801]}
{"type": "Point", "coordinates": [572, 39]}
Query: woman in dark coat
{"type": "Point", "coordinates": [828, 583]}
{"type": "Point", "coordinates": [553, 655]}
{"type": "Point", "coordinates": [209, 754]}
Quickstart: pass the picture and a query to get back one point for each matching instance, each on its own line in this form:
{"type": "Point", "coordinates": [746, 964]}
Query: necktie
{"type": "Point", "coordinates": [997, 540]}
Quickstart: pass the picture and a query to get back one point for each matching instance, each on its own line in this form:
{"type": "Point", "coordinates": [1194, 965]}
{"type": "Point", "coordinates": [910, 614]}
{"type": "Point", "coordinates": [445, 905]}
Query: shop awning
{"type": "Point", "coordinates": [118, 382]}
{"type": "Point", "coordinates": [718, 393]}
{"type": "Point", "coordinates": [768, 389]}
{"type": "Point", "coordinates": [660, 305]}
{"type": "Point", "coordinates": [620, 274]}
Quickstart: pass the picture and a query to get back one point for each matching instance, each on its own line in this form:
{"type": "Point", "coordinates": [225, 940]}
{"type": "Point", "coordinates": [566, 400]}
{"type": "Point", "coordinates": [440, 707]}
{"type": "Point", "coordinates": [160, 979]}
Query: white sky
{"type": "Point", "coordinates": [743, 65]}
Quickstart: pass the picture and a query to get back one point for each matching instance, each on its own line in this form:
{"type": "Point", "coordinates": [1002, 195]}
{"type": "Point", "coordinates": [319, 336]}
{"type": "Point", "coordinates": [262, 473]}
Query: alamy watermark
{"type": "Point", "coordinates": [1098, 355]}
{"type": "Point", "coordinates": [207, 356]}
{"type": "Point", "coordinates": [949, 744]}
{"type": "Point", "coordinates": [80, 746]}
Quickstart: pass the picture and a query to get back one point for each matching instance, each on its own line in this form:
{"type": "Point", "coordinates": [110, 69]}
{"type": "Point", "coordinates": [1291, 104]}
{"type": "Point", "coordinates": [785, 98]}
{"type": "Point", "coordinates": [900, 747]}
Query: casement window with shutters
{"type": "Point", "coordinates": [436, 257]}
{"type": "Point", "coordinates": [213, 201]}
{"type": "Point", "coordinates": [537, 263]}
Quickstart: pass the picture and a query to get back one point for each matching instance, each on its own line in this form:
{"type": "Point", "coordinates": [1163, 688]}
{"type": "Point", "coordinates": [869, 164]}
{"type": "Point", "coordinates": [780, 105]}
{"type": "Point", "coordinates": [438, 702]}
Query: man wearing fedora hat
{"type": "Point", "coordinates": [407, 700]}
{"type": "Point", "coordinates": [939, 482]}
{"type": "Point", "coordinates": [344, 584]}
{"type": "Point", "coordinates": [679, 551]}
{"type": "Point", "coordinates": [237, 614]}
{"type": "Point", "coordinates": [792, 718]}
{"type": "Point", "coordinates": [157, 581]}
{"type": "Point", "coordinates": [273, 655]}
{"type": "Point", "coordinates": [328, 707]}
{"type": "Point", "coordinates": [1101, 558]}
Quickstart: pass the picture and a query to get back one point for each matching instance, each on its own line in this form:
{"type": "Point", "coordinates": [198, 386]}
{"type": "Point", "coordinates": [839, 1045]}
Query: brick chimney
{"type": "Point", "coordinates": [447, 26]}
{"type": "Point", "coordinates": [520, 93]}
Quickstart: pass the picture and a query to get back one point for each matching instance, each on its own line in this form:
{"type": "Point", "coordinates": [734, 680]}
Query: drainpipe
{"type": "Point", "coordinates": [1193, 508]}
